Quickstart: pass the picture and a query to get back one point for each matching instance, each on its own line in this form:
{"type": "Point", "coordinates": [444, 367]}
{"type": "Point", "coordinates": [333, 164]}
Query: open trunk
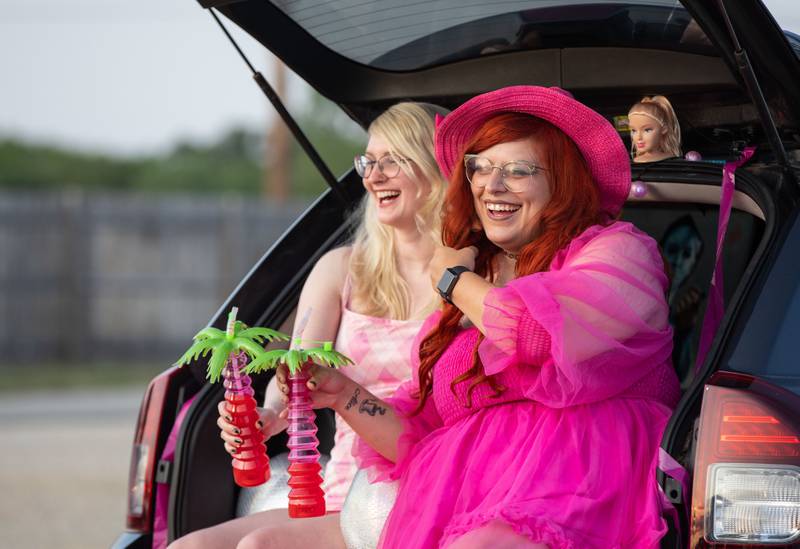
{"type": "Point", "coordinates": [608, 54]}
{"type": "Point", "coordinates": [680, 191]}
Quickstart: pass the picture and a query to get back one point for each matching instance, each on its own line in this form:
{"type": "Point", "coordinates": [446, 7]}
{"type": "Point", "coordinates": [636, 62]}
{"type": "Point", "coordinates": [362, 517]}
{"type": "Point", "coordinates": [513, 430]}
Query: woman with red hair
{"type": "Point", "coordinates": [543, 384]}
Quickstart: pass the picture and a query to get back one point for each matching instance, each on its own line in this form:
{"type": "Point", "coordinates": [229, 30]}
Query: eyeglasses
{"type": "Point", "coordinates": [388, 165]}
{"type": "Point", "coordinates": [515, 175]}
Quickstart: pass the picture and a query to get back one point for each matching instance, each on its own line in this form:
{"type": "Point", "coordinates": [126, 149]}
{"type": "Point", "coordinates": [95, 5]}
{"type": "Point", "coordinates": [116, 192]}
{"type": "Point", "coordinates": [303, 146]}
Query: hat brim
{"type": "Point", "coordinates": [595, 137]}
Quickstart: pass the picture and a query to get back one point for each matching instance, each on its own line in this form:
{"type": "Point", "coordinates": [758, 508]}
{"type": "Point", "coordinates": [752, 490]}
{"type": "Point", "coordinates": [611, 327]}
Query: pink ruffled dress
{"type": "Point", "coordinates": [380, 349]}
{"type": "Point", "coordinates": [566, 455]}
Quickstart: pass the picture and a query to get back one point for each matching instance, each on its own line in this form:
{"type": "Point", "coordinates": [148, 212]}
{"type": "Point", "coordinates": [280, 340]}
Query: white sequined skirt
{"type": "Point", "coordinates": [365, 511]}
{"type": "Point", "coordinates": [363, 514]}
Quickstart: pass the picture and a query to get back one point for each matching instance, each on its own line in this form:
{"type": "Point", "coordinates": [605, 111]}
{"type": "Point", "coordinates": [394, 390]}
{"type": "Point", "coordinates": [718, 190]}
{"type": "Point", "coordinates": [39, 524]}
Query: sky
{"type": "Point", "coordinates": [123, 76]}
{"type": "Point", "coordinates": [134, 77]}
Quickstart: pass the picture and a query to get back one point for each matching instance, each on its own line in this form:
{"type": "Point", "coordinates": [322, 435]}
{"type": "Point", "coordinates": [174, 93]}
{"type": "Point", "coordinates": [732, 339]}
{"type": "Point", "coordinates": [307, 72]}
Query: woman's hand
{"type": "Point", "coordinates": [368, 415]}
{"type": "Point", "coordinates": [269, 423]}
{"type": "Point", "coordinates": [444, 257]}
{"type": "Point", "coordinates": [327, 386]}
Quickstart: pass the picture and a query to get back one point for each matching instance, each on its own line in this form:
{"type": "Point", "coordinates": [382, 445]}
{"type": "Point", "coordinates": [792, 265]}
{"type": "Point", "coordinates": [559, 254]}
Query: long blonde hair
{"type": "Point", "coordinates": [660, 109]}
{"type": "Point", "coordinates": [376, 282]}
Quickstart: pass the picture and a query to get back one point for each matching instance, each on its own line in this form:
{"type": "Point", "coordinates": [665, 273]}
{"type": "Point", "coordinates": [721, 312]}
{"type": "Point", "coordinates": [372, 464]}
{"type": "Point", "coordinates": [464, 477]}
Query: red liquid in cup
{"type": "Point", "coordinates": [250, 463]}
{"type": "Point", "coordinates": [306, 498]}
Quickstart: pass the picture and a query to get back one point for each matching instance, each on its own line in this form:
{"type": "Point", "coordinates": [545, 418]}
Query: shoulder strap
{"type": "Point", "coordinates": [346, 290]}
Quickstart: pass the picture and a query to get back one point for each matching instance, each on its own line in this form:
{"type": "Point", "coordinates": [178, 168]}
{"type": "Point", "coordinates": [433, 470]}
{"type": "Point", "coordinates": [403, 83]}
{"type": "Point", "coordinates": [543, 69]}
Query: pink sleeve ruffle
{"type": "Point", "coordinates": [594, 324]}
{"type": "Point", "coordinates": [415, 427]}
{"type": "Point", "coordinates": [513, 336]}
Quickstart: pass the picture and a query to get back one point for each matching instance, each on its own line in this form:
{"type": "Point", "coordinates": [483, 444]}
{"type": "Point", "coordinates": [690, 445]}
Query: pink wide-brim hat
{"type": "Point", "coordinates": [598, 141]}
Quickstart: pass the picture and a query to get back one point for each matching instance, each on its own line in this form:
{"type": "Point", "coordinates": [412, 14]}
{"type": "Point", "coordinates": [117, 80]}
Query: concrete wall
{"type": "Point", "coordinates": [88, 277]}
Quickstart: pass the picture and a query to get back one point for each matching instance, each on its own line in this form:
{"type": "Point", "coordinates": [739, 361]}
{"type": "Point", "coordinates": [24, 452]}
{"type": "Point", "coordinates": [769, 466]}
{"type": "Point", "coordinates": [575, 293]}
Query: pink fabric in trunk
{"type": "Point", "coordinates": [160, 528]}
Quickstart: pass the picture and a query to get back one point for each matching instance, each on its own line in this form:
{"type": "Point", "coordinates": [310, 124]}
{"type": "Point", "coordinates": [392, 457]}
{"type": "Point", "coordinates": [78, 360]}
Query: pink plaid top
{"type": "Point", "coordinates": [381, 350]}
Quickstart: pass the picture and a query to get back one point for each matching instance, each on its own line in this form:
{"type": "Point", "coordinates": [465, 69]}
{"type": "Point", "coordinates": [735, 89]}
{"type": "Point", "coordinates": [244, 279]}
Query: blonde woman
{"type": "Point", "coordinates": [655, 131]}
{"type": "Point", "coordinates": [371, 298]}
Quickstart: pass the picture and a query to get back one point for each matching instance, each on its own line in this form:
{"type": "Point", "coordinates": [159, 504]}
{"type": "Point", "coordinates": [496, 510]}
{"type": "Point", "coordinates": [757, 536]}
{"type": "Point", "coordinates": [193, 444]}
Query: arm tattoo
{"type": "Point", "coordinates": [370, 406]}
{"type": "Point", "coordinates": [353, 399]}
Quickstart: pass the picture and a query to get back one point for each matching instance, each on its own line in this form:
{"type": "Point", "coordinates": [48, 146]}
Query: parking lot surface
{"type": "Point", "coordinates": [64, 467]}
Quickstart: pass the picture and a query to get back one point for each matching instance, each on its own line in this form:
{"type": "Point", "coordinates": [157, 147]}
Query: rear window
{"type": "Point", "coordinates": [396, 35]}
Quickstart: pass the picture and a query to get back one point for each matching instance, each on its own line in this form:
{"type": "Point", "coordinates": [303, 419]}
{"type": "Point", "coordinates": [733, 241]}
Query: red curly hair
{"type": "Point", "coordinates": [573, 207]}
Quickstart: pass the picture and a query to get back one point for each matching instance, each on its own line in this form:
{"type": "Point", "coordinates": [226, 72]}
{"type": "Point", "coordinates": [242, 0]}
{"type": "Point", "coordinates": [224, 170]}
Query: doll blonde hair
{"type": "Point", "coordinates": [660, 109]}
{"type": "Point", "coordinates": [408, 129]}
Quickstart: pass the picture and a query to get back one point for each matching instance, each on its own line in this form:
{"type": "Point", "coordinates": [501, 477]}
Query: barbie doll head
{"type": "Point", "coordinates": [655, 132]}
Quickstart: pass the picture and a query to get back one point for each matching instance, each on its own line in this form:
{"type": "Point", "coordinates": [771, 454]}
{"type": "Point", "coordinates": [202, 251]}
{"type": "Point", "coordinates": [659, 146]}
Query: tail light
{"type": "Point", "coordinates": [144, 453]}
{"type": "Point", "coordinates": [747, 467]}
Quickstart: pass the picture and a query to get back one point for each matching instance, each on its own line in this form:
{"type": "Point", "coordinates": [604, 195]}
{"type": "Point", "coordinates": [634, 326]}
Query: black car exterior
{"type": "Point", "coordinates": [735, 81]}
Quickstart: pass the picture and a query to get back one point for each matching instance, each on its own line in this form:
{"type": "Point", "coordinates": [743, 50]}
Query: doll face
{"type": "Point", "coordinates": [646, 134]}
{"type": "Point", "coordinates": [399, 197]}
{"type": "Point", "coordinates": [511, 219]}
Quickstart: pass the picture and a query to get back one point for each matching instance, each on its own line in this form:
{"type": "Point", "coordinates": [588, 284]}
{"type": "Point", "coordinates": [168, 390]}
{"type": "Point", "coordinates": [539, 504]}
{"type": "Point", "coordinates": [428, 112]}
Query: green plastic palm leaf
{"type": "Point", "coordinates": [199, 347]}
{"type": "Point", "coordinates": [210, 333]}
{"type": "Point", "coordinates": [266, 361]}
{"type": "Point", "coordinates": [238, 337]}
{"type": "Point", "coordinates": [294, 360]}
{"type": "Point", "coordinates": [262, 334]}
{"type": "Point", "coordinates": [253, 349]}
{"type": "Point", "coordinates": [327, 355]}
{"type": "Point", "coordinates": [219, 357]}
{"type": "Point", "coordinates": [296, 356]}
{"type": "Point", "coordinates": [330, 358]}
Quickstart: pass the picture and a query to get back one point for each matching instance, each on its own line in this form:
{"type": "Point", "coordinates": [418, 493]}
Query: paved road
{"type": "Point", "coordinates": [64, 467]}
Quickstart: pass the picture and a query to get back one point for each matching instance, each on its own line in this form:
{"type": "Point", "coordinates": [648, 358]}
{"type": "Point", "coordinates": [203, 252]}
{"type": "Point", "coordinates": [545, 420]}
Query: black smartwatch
{"type": "Point", "coordinates": [448, 281]}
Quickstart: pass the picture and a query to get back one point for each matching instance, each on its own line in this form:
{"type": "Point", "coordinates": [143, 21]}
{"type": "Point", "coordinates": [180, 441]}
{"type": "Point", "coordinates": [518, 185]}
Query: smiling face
{"type": "Point", "coordinates": [397, 198]}
{"type": "Point", "coordinates": [511, 220]}
{"type": "Point", "coordinates": [646, 135]}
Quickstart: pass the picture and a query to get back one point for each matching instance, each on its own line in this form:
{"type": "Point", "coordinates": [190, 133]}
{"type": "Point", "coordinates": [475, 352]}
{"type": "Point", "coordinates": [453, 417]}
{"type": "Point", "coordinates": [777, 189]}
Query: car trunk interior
{"type": "Point", "coordinates": [679, 210]}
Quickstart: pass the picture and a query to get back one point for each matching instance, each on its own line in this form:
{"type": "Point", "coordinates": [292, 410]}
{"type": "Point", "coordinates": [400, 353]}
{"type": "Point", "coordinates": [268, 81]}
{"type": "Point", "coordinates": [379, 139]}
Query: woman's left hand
{"type": "Point", "coordinates": [445, 257]}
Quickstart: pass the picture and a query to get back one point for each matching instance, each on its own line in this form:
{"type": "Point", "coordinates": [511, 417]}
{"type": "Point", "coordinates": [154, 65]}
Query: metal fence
{"type": "Point", "coordinates": [89, 277]}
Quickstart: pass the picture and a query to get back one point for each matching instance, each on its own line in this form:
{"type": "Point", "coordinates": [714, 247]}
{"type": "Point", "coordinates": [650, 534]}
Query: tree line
{"type": "Point", "coordinates": [237, 162]}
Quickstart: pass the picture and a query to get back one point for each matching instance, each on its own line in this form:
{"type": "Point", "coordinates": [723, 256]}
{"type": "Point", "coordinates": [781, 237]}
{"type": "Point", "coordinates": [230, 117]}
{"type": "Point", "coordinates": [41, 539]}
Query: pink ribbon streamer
{"type": "Point", "coordinates": [711, 321]}
{"type": "Point", "coordinates": [716, 302]}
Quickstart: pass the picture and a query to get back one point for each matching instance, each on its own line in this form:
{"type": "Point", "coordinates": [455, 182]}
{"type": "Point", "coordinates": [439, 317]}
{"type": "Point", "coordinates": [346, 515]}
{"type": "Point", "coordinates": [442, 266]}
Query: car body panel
{"type": "Point", "coordinates": [356, 85]}
{"type": "Point", "coordinates": [766, 346]}
{"type": "Point", "coordinates": [707, 86]}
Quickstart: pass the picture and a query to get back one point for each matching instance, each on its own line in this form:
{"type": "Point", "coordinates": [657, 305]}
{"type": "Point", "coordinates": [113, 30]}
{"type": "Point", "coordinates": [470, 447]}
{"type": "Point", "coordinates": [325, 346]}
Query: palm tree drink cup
{"type": "Point", "coordinates": [230, 351]}
{"type": "Point", "coordinates": [306, 497]}
{"type": "Point", "coordinates": [250, 462]}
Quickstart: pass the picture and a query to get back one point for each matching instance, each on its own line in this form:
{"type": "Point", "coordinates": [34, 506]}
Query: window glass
{"type": "Point", "coordinates": [390, 34]}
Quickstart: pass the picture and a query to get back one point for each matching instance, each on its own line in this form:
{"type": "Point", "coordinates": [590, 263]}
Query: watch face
{"type": "Point", "coordinates": [445, 285]}
{"type": "Point", "coordinates": [448, 281]}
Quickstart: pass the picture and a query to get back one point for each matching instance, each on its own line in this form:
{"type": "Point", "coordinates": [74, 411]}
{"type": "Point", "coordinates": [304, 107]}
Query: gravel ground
{"type": "Point", "coordinates": [64, 467]}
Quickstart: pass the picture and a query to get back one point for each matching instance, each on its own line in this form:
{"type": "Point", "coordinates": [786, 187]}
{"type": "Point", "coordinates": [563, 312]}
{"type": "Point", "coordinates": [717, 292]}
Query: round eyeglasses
{"type": "Point", "coordinates": [388, 165]}
{"type": "Point", "coordinates": [515, 175]}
